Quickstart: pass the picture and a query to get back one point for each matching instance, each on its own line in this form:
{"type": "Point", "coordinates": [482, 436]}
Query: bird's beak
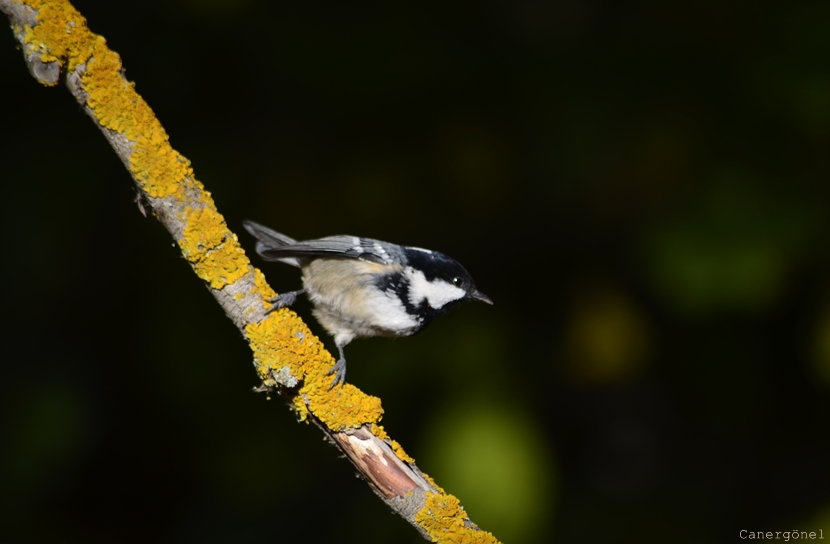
{"type": "Point", "coordinates": [478, 295]}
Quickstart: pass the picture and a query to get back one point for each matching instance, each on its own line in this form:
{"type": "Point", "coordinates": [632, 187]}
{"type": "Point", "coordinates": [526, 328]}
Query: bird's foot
{"type": "Point", "coordinates": [284, 300]}
{"type": "Point", "coordinates": [339, 371]}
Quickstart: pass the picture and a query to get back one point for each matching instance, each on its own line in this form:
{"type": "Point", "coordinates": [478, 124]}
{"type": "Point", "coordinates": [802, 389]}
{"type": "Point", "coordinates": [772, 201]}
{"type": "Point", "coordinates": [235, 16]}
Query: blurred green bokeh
{"type": "Point", "coordinates": [48, 435]}
{"type": "Point", "coordinates": [490, 452]}
{"type": "Point", "coordinates": [735, 250]}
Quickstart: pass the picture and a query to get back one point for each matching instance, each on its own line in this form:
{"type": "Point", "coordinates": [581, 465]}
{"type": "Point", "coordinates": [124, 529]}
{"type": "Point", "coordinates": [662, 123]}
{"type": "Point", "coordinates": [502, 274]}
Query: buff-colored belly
{"type": "Point", "coordinates": [347, 304]}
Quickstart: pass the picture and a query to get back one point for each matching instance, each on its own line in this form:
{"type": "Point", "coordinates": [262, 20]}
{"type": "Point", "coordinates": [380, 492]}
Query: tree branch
{"type": "Point", "coordinates": [56, 41]}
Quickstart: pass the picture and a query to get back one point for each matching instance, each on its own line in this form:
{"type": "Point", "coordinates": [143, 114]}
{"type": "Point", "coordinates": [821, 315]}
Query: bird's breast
{"type": "Point", "coordinates": [348, 301]}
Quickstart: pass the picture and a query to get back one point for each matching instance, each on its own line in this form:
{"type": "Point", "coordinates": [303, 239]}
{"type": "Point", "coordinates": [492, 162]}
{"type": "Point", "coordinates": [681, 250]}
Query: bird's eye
{"type": "Point", "coordinates": [458, 282]}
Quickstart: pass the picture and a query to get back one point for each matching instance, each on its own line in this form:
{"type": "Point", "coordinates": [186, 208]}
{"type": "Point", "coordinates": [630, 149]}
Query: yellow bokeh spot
{"type": "Point", "coordinates": [607, 339]}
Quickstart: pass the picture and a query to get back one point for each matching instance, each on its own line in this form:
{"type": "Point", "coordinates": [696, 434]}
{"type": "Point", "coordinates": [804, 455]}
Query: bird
{"type": "Point", "coordinates": [361, 287]}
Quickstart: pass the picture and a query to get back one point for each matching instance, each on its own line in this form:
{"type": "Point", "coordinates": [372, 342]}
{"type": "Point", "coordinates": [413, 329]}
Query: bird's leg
{"type": "Point", "coordinates": [285, 299]}
{"type": "Point", "coordinates": [339, 369]}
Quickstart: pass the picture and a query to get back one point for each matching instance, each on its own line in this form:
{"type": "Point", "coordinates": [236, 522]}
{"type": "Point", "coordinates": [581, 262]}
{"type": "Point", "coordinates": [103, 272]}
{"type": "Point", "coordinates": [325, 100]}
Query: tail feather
{"type": "Point", "coordinates": [267, 236]}
{"type": "Point", "coordinates": [268, 239]}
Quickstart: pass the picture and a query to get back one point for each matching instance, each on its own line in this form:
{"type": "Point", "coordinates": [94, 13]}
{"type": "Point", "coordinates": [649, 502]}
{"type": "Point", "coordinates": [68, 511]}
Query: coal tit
{"type": "Point", "coordinates": [362, 287]}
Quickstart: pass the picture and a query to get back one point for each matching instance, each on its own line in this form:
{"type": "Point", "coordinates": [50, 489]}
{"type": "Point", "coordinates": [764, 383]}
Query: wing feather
{"type": "Point", "coordinates": [274, 246]}
{"type": "Point", "coordinates": [334, 247]}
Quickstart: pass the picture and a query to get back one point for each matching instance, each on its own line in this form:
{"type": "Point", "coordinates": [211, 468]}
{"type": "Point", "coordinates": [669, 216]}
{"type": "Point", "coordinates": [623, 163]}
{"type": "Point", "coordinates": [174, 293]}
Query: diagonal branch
{"type": "Point", "coordinates": [56, 42]}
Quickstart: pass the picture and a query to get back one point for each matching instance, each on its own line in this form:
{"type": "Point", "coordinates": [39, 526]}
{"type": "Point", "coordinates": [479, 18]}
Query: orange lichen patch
{"type": "Point", "coordinates": [444, 520]}
{"type": "Point", "coordinates": [340, 407]}
{"type": "Point", "coordinates": [224, 265]}
{"type": "Point", "coordinates": [212, 248]}
{"type": "Point", "coordinates": [275, 345]}
{"type": "Point", "coordinates": [61, 33]}
{"type": "Point", "coordinates": [204, 230]}
{"type": "Point", "coordinates": [380, 432]}
{"type": "Point", "coordinates": [159, 168]}
{"type": "Point", "coordinates": [113, 100]}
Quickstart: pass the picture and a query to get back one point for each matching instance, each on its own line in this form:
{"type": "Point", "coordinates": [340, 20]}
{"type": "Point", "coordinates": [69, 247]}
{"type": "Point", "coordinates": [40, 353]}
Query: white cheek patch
{"type": "Point", "coordinates": [437, 293]}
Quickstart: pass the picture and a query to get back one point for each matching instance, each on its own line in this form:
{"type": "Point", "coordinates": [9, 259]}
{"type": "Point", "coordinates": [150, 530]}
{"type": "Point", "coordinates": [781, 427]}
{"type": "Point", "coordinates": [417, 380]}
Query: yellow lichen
{"type": "Point", "coordinates": [299, 405]}
{"type": "Point", "coordinates": [276, 346]}
{"type": "Point", "coordinates": [209, 245]}
{"type": "Point", "coordinates": [342, 406]}
{"type": "Point", "coordinates": [380, 432]}
{"type": "Point", "coordinates": [262, 286]}
{"type": "Point", "coordinates": [60, 35]}
{"type": "Point", "coordinates": [432, 482]}
{"type": "Point", "coordinates": [157, 166]}
{"type": "Point", "coordinates": [402, 455]}
{"type": "Point", "coordinates": [113, 100]}
{"type": "Point", "coordinates": [282, 340]}
{"type": "Point", "coordinates": [224, 265]}
{"type": "Point", "coordinates": [205, 229]}
{"type": "Point", "coordinates": [444, 520]}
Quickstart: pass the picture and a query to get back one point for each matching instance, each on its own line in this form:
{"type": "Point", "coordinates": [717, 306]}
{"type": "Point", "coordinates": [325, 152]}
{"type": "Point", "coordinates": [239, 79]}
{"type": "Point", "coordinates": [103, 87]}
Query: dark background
{"type": "Point", "coordinates": [641, 188]}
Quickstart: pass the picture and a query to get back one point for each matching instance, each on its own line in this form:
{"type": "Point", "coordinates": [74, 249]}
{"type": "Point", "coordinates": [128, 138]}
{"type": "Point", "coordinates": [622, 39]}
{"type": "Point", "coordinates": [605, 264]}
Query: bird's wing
{"type": "Point", "coordinates": [339, 247]}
